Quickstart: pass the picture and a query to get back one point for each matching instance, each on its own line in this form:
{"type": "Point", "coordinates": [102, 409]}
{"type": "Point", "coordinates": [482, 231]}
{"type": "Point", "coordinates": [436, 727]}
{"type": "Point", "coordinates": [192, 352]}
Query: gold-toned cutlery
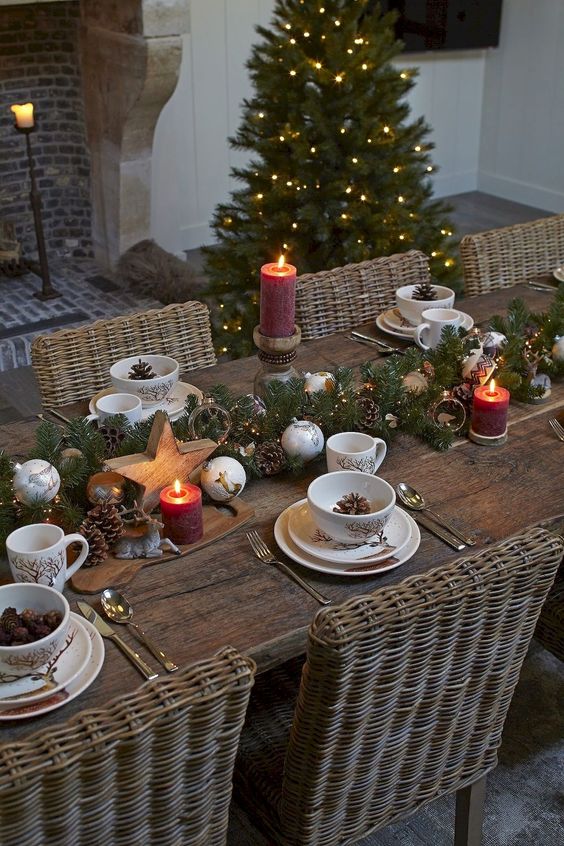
{"type": "Point", "coordinates": [118, 609]}
{"type": "Point", "coordinates": [106, 631]}
{"type": "Point", "coordinates": [414, 500]}
{"type": "Point", "coordinates": [264, 554]}
{"type": "Point", "coordinates": [382, 345]}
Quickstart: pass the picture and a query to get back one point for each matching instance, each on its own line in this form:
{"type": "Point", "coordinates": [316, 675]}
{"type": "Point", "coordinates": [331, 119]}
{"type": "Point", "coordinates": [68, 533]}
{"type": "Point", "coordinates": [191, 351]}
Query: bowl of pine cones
{"type": "Point", "coordinates": [412, 300]}
{"type": "Point", "coordinates": [149, 377]}
{"type": "Point", "coordinates": [33, 625]}
{"type": "Point", "coordinates": [350, 506]}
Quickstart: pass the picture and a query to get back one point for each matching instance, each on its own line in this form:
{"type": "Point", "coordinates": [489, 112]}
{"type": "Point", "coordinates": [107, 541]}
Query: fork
{"type": "Point", "coordinates": [263, 553]}
{"type": "Point", "coordinates": [557, 428]}
{"type": "Point", "coordinates": [384, 347]}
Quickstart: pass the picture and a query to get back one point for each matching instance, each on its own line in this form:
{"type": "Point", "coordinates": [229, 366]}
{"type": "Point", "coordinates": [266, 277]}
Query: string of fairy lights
{"type": "Point", "coordinates": [355, 193]}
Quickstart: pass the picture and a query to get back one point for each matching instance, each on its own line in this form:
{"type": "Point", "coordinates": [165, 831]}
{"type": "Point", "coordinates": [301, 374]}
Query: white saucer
{"type": "Point", "coordinates": [312, 562]}
{"type": "Point", "coordinates": [394, 320]}
{"type": "Point", "coordinates": [73, 689]}
{"type": "Point", "coordinates": [408, 334]}
{"type": "Point", "coordinates": [558, 273]}
{"type": "Point", "coordinates": [65, 666]}
{"type": "Point", "coordinates": [173, 404]}
{"type": "Point", "coordinates": [310, 539]}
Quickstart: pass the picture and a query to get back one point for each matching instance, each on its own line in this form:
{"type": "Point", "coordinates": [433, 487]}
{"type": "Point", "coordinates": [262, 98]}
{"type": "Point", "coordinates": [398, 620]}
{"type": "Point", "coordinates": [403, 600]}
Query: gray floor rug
{"type": "Point", "coordinates": [525, 800]}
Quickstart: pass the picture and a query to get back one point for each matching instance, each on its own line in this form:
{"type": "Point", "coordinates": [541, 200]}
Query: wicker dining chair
{"type": "Point", "coordinates": [334, 300]}
{"type": "Point", "coordinates": [402, 699]}
{"type": "Point", "coordinates": [500, 258]}
{"type": "Point", "coordinates": [72, 364]}
{"type": "Point", "coordinates": [152, 768]}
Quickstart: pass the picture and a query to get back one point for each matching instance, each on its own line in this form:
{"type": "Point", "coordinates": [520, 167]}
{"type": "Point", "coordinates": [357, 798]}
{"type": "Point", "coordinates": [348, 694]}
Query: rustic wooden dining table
{"type": "Point", "coordinates": [222, 594]}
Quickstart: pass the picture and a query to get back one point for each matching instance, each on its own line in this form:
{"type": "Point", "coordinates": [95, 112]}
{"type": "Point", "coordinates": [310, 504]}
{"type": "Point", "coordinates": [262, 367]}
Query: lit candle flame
{"type": "Point", "coordinates": [177, 487]}
{"type": "Point", "coordinates": [492, 387]}
{"type": "Point", "coordinates": [281, 262]}
{"type": "Point", "coordinates": [23, 115]}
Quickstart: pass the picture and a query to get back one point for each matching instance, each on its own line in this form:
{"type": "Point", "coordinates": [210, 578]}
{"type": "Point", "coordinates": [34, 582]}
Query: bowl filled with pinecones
{"type": "Point", "coordinates": [412, 300]}
{"type": "Point", "coordinates": [350, 506]}
{"type": "Point", "coordinates": [149, 377]}
{"type": "Point", "coordinates": [34, 620]}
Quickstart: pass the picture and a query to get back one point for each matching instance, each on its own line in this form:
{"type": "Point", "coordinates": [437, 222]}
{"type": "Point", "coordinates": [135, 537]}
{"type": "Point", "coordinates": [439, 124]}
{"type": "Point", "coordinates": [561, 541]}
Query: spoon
{"type": "Point", "coordinates": [118, 609]}
{"type": "Point", "coordinates": [413, 499]}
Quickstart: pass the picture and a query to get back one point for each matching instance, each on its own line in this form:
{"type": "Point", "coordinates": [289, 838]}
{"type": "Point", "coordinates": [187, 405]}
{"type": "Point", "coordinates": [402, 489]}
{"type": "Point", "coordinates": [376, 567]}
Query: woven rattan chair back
{"type": "Point", "coordinates": [338, 299]}
{"type": "Point", "coordinates": [153, 767]}
{"type": "Point", "coordinates": [73, 364]}
{"type": "Point", "coordinates": [504, 257]}
{"type": "Point", "coordinates": [404, 693]}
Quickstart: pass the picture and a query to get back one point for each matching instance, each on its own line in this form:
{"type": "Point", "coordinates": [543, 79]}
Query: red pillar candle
{"type": "Point", "coordinates": [489, 410]}
{"type": "Point", "coordinates": [277, 299]}
{"type": "Point", "coordinates": [181, 512]}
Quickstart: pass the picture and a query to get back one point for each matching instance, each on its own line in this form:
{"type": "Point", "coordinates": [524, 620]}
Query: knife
{"type": "Point", "coordinates": [106, 631]}
{"type": "Point", "coordinates": [382, 344]}
{"type": "Point", "coordinates": [438, 531]}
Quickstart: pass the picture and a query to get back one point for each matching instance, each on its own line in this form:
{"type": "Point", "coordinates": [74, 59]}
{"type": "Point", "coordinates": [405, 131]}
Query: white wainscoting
{"type": "Point", "coordinates": [192, 158]}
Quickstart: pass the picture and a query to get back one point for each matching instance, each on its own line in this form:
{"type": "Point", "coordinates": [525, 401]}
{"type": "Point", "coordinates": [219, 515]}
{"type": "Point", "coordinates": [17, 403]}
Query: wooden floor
{"type": "Point", "coordinates": [472, 212]}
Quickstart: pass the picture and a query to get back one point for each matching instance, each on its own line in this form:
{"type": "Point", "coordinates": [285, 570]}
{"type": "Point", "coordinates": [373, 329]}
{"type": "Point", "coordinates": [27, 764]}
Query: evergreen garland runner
{"type": "Point", "coordinates": [530, 339]}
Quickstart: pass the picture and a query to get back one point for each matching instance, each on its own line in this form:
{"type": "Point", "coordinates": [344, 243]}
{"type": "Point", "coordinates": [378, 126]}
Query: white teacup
{"type": "Point", "coordinates": [428, 334]}
{"type": "Point", "coordinates": [38, 553]}
{"type": "Point", "coordinates": [126, 404]}
{"type": "Point", "coordinates": [355, 451]}
{"type": "Point", "coordinates": [411, 310]}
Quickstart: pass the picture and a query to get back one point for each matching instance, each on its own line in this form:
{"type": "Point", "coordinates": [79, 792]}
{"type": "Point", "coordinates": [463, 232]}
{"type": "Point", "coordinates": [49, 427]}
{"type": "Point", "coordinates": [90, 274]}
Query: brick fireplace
{"type": "Point", "coordinates": [99, 73]}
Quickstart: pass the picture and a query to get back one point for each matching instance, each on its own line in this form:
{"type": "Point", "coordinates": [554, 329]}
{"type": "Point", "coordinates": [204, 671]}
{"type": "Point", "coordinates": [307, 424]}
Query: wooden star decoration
{"type": "Point", "coordinates": [163, 461]}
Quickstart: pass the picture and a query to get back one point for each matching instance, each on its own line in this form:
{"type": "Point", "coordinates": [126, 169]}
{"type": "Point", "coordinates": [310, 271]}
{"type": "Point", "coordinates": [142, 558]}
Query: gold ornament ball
{"type": "Point", "coordinates": [105, 487]}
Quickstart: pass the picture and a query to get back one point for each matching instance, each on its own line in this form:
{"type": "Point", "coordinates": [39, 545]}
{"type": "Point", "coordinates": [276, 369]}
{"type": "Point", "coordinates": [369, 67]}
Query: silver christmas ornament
{"type": "Point", "coordinates": [223, 478]}
{"type": "Point", "coordinates": [320, 381]}
{"type": "Point", "coordinates": [302, 439]}
{"type": "Point", "coordinates": [36, 481]}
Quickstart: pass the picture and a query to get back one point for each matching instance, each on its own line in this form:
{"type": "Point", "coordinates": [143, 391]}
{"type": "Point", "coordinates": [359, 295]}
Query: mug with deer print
{"type": "Point", "coordinates": [355, 451]}
{"type": "Point", "coordinates": [37, 553]}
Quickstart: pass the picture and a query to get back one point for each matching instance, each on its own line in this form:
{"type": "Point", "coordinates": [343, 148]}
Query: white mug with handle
{"type": "Point", "coordinates": [428, 334]}
{"type": "Point", "coordinates": [38, 553]}
{"type": "Point", "coordinates": [355, 451]}
{"type": "Point", "coordinates": [126, 404]}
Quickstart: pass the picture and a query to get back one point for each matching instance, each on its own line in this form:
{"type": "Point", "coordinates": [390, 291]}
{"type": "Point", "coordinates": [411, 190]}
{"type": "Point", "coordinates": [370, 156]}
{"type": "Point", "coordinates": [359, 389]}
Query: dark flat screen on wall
{"type": "Point", "coordinates": [446, 24]}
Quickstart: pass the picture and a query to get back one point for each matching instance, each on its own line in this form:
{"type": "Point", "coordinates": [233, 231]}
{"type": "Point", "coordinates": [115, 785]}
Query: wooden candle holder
{"type": "Point", "coordinates": [276, 356]}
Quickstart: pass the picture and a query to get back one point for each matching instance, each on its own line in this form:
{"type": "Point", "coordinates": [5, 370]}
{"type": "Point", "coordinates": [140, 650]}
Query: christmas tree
{"type": "Point", "coordinates": [336, 174]}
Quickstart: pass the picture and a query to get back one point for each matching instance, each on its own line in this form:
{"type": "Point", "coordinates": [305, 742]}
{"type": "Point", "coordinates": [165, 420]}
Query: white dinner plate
{"type": "Point", "coordinates": [293, 551]}
{"type": "Point", "coordinates": [173, 404]}
{"type": "Point", "coordinates": [73, 689]}
{"type": "Point", "coordinates": [65, 666]}
{"type": "Point", "coordinates": [558, 273]}
{"type": "Point", "coordinates": [408, 334]}
{"type": "Point", "coordinates": [309, 538]}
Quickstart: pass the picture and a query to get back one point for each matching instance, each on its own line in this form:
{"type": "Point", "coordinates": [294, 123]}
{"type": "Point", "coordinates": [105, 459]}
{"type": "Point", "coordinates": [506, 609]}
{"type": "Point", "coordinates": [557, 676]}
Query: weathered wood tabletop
{"type": "Point", "coordinates": [223, 595]}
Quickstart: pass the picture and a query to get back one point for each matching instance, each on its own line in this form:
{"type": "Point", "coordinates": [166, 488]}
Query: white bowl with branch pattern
{"type": "Point", "coordinates": [150, 391]}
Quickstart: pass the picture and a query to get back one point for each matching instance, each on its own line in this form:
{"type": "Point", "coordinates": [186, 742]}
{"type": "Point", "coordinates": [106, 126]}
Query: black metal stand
{"type": "Point", "coordinates": [47, 291]}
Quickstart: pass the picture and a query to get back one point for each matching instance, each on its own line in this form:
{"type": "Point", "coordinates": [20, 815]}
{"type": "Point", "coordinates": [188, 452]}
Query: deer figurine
{"type": "Point", "coordinates": [142, 536]}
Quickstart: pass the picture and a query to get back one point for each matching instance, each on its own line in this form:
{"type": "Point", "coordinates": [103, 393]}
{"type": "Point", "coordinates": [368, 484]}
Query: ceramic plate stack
{"type": "Point", "coordinates": [173, 404]}
{"type": "Point", "coordinates": [392, 322]}
{"type": "Point", "coordinates": [297, 535]}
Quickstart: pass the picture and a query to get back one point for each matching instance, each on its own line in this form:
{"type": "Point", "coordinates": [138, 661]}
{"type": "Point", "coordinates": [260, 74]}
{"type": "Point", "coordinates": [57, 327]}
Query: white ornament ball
{"type": "Point", "coordinates": [223, 478]}
{"type": "Point", "coordinates": [558, 349]}
{"type": "Point", "coordinates": [36, 481]}
{"type": "Point", "coordinates": [302, 439]}
{"type": "Point", "coordinates": [320, 381]}
{"type": "Point", "coordinates": [493, 342]}
{"type": "Point", "coordinates": [415, 382]}
{"type": "Point", "coordinates": [478, 368]}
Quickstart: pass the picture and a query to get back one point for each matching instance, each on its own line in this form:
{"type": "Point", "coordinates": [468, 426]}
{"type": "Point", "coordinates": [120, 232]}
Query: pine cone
{"type": "Point", "coordinates": [105, 517]}
{"type": "Point", "coordinates": [424, 291]}
{"type": "Point", "coordinates": [141, 370]}
{"type": "Point", "coordinates": [98, 548]}
{"type": "Point", "coordinates": [370, 413]}
{"type": "Point", "coordinates": [352, 503]}
{"type": "Point", "coordinates": [113, 437]}
{"type": "Point", "coordinates": [9, 620]}
{"type": "Point", "coordinates": [270, 458]}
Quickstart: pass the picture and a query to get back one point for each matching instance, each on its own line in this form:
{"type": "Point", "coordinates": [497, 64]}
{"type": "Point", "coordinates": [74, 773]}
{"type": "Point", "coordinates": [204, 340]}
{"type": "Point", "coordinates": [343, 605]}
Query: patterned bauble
{"type": "Point", "coordinates": [113, 438]}
{"type": "Point", "coordinates": [209, 420]}
{"type": "Point", "coordinates": [106, 517]}
{"type": "Point", "coordinates": [465, 393]}
{"type": "Point", "coordinates": [302, 439]}
{"type": "Point", "coordinates": [558, 349]}
{"type": "Point", "coordinates": [36, 481]}
{"type": "Point", "coordinates": [369, 412]}
{"type": "Point", "coordinates": [223, 478]}
{"type": "Point", "coordinates": [493, 343]}
{"type": "Point", "coordinates": [320, 381]}
{"type": "Point", "coordinates": [270, 458]}
{"type": "Point", "coordinates": [107, 486]}
{"type": "Point", "coordinates": [477, 369]}
{"type": "Point", "coordinates": [97, 546]}
{"type": "Point", "coordinates": [448, 412]}
{"type": "Point", "coordinates": [415, 382]}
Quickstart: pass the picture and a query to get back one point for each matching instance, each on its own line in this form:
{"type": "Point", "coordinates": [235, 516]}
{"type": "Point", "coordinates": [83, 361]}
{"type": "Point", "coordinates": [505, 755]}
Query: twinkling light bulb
{"type": "Point", "coordinates": [318, 65]}
{"type": "Point", "coordinates": [449, 263]}
{"type": "Point", "coordinates": [339, 78]}
{"type": "Point", "coordinates": [386, 130]}
{"type": "Point", "coordinates": [348, 190]}
{"type": "Point", "coordinates": [261, 114]}
{"type": "Point", "coordinates": [343, 130]}
{"type": "Point", "coordinates": [294, 225]}
{"type": "Point", "coordinates": [363, 197]}
{"type": "Point", "coordinates": [417, 148]}
{"type": "Point", "coordinates": [312, 149]}
{"type": "Point", "coordinates": [274, 177]}
{"type": "Point", "coordinates": [344, 216]}
{"type": "Point", "coordinates": [260, 196]}
{"type": "Point", "coordinates": [306, 34]}
{"type": "Point", "coordinates": [354, 160]}
{"type": "Point", "coordinates": [396, 169]}
{"type": "Point", "coordinates": [337, 23]}
{"type": "Point", "coordinates": [429, 169]}
{"type": "Point", "coordinates": [364, 66]}
{"type": "Point", "coordinates": [282, 138]}
{"type": "Point", "coordinates": [292, 72]}
{"type": "Point", "coordinates": [403, 75]}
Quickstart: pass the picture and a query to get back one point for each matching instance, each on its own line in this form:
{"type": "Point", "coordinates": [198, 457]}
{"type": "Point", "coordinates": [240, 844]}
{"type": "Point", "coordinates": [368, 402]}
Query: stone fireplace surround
{"type": "Point", "coordinates": [130, 53]}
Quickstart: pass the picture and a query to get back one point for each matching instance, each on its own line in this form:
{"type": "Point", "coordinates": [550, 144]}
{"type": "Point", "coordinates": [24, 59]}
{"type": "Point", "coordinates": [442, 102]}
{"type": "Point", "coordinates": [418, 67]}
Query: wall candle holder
{"type": "Point", "coordinates": [276, 356]}
{"type": "Point", "coordinates": [48, 292]}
